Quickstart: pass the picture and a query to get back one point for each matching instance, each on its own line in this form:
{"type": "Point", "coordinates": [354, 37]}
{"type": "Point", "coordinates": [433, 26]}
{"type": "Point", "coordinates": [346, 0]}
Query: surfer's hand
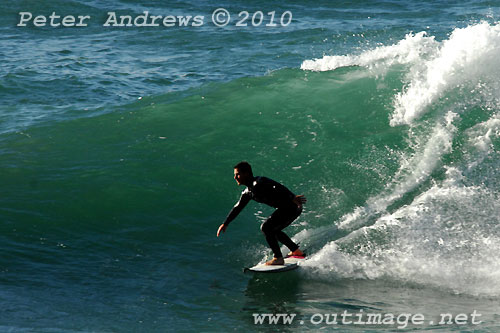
{"type": "Point", "coordinates": [221, 228]}
{"type": "Point", "coordinates": [299, 200]}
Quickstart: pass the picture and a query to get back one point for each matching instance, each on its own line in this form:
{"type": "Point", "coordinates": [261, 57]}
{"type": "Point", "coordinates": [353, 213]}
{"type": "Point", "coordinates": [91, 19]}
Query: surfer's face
{"type": "Point", "coordinates": [241, 178]}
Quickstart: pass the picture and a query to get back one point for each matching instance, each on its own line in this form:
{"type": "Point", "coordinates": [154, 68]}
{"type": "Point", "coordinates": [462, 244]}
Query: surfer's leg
{"type": "Point", "coordinates": [272, 229]}
{"type": "Point", "coordinates": [289, 217]}
{"type": "Point", "coordinates": [270, 233]}
{"type": "Point", "coordinates": [285, 240]}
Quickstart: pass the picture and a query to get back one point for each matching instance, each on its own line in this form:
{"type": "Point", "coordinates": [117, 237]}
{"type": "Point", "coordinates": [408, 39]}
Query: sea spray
{"type": "Point", "coordinates": [447, 234]}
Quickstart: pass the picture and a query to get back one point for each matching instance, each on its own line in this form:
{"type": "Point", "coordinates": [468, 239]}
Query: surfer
{"type": "Point", "coordinates": [264, 190]}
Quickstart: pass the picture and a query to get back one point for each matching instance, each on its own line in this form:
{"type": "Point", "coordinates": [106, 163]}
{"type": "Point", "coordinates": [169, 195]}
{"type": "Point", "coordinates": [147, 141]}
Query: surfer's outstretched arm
{"type": "Point", "coordinates": [222, 228]}
{"type": "Point", "coordinates": [244, 199]}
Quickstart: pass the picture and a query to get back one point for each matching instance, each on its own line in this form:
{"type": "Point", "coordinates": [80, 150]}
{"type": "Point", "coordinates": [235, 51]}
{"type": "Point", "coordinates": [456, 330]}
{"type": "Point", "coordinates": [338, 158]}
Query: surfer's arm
{"type": "Point", "coordinates": [244, 200]}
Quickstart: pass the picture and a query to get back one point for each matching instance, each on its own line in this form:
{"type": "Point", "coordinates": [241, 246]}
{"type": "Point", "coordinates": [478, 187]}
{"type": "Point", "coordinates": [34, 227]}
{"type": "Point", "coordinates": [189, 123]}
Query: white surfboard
{"type": "Point", "coordinates": [290, 263]}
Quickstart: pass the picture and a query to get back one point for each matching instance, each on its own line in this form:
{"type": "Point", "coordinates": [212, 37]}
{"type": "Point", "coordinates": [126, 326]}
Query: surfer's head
{"type": "Point", "coordinates": [243, 173]}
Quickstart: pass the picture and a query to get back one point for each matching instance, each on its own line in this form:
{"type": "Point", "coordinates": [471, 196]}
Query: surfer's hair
{"type": "Point", "coordinates": [244, 167]}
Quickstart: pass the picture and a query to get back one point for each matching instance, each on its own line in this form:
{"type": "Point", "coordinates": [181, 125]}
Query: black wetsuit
{"type": "Point", "coordinates": [272, 193]}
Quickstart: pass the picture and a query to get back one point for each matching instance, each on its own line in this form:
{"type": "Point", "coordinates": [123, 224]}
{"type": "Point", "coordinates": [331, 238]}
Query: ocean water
{"type": "Point", "coordinates": [117, 146]}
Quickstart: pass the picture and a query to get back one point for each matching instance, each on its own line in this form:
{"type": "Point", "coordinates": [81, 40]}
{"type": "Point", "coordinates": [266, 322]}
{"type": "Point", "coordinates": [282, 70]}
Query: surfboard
{"type": "Point", "coordinates": [290, 264]}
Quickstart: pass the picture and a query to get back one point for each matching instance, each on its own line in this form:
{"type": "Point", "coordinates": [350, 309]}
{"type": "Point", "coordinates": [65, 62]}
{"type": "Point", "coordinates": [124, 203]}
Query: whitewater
{"type": "Point", "coordinates": [448, 235]}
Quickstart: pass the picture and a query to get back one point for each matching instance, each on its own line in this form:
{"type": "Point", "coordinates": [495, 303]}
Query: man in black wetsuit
{"type": "Point", "coordinates": [264, 190]}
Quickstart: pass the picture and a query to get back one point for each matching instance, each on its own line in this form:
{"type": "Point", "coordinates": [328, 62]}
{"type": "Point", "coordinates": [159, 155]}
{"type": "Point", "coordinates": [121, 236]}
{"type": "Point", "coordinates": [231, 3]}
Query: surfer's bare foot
{"type": "Point", "coordinates": [296, 253]}
{"type": "Point", "coordinates": [276, 261]}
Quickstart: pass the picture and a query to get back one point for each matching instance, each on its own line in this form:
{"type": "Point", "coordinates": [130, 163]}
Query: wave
{"type": "Point", "coordinates": [468, 59]}
{"type": "Point", "coordinates": [401, 176]}
{"type": "Point", "coordinates": [436, 221]}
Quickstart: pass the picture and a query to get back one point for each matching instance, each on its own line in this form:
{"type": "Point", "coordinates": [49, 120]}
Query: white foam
{"type": "Point", "coordinates": [408, 50]}
{"type": "Point", "coordinates": [470, 55]}
{"type": "Point", "coordinates": [414, 170]}
{"type": "Point", "coordinates": [442, 239]}
{"type": "Point", "coordinates": [448, 236]}
{"type": "Point", "coordinates": [480, 139]}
